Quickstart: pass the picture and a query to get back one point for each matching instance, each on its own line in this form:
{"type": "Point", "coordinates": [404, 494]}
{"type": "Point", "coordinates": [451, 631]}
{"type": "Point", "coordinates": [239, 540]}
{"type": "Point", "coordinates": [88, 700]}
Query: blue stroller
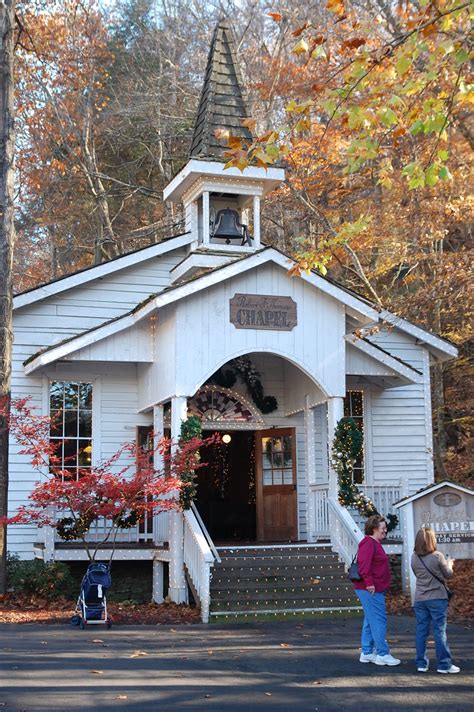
{"type": "Point", "coordinates": [91, 606]}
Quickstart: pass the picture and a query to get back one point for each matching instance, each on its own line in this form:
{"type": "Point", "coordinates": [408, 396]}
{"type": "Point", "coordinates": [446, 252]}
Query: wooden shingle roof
{"type": "Point", "coordinates": [222, 104]}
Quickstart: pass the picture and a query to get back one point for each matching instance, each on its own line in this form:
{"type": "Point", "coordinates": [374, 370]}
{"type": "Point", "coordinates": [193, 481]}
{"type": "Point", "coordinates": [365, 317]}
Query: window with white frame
{"type": "Point", "coordinates": [70, 409]}
{"type": "Point", "coordinates": [354, 408]}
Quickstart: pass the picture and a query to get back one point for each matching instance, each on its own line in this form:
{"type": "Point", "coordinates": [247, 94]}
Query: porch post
{"type": "Point", "coordinates": [335, 413]}
{"type": "Point", "coordinates": [256, 221]}
{"type": "Point", "coordinates": [160, 520]}
{"type": "Point", "coordinates": [178, 591]}
{"type": "Point", "coordinates": [310, 468]}
{"type": "Point", "coordinates": [205, 218]}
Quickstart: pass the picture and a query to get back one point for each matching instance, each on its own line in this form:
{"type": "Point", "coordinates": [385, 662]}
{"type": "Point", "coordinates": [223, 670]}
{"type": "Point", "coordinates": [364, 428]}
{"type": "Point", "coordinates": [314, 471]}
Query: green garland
{"type": "Point", "coordinates": [244, 367]}
{"type": "Point", "coordinates": [346, 448]}
{"type": "Point", "coordinates": [190, 428]}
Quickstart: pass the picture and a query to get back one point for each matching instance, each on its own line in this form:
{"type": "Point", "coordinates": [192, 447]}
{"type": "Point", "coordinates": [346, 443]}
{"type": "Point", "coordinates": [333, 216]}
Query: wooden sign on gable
{"type": "Point", "coordinates": [263, 311]}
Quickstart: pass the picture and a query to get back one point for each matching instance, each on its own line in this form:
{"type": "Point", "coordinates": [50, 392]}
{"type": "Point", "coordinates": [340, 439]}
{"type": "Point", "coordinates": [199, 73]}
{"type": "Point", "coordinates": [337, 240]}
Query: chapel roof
{"type": "Point", "coordinates": [222, 103]}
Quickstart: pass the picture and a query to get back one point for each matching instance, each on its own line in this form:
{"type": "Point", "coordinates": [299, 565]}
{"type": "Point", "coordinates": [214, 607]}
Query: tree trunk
{"type": "Point", "coordinates": [7, 15]}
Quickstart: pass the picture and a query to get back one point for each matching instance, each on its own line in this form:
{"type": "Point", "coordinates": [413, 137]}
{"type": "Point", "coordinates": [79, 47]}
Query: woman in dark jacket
{"type": "Point", "coordinates": [431, 600]}
{"type": "Point", "coordinates": [374, 567]}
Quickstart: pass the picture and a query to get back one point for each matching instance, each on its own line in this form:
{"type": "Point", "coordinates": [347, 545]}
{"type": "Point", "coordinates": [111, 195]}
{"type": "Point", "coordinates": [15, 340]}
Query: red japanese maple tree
{"type": "Point", "coordinates": [119, 491]}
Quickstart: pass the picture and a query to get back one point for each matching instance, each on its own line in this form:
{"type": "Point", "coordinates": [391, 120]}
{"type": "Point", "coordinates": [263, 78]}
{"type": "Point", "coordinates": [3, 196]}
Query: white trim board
{"type": "Point", "coordinates": [100, 271]}
{"type": "Point", "coordinates": [270, 177]}
{"type": "Point", "coordinates": [442, 348]}
{"type": "Point", "coordinates": [428, 490]}
{"type": "Point", "coordinates": [409, 374]}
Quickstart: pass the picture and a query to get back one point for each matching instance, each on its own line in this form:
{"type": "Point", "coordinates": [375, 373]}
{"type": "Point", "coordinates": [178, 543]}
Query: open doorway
{"type": "Point", "coordinates": [226, 487]}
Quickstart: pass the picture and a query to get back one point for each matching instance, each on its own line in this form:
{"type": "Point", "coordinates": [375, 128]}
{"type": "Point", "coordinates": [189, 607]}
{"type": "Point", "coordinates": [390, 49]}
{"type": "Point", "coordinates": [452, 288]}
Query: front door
{"type": "Point", "coordinates": [276, 485]}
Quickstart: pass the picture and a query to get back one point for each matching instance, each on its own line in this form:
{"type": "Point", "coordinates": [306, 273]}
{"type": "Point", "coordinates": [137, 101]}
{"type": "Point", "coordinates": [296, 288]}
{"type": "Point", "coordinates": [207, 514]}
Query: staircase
{"type": "Point", "coordinates": [279, 581]}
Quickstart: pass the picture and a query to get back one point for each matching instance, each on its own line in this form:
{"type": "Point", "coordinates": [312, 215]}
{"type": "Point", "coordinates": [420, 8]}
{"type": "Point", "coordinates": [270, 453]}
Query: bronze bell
{"type": "Point", "coordinates": [228, 227]}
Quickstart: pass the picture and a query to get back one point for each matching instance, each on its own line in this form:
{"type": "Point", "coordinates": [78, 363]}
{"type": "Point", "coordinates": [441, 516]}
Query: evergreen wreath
{"type": "Point", "coordinates": [190, 428]}
{"type": "Point", "coordinates": [346, 448]}
{"type": "Point", "coordinates": [243, 367]}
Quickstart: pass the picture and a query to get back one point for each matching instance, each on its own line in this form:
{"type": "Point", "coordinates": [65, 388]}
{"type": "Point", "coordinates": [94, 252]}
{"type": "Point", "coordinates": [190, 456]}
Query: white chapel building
{"type": "Point", "coordinates": [210, 323]}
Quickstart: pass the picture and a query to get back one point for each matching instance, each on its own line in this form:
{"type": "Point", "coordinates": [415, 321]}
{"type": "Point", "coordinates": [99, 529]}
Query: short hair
{"type": "Point", "coordinates": [372, 523]}
{"type": "Point", "coordinates": [425, 541]}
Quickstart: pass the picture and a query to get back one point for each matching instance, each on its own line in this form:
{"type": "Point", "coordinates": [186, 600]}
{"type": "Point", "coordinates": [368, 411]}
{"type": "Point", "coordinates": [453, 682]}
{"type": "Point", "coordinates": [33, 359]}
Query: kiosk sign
{"type": "Point", "coordinates": [450, 513]}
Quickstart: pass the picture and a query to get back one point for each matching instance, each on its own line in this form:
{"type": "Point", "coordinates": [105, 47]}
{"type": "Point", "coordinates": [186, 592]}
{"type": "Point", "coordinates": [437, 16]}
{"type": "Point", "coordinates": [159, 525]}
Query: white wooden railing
{"type": "Point", "coordinates": [319, 495]}
{"type": "Point", "coordinates": [383, 496]}
{"type": "Point", "coordinates": [199, 559]}
{"type": "Point", "coordinates": [141, 533]}
{"type": "Point", "coordinates": [344, 531]}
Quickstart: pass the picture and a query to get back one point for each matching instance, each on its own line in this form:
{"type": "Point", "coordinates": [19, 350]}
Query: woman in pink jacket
{"type": "Point", "coordinates": [374, 568]}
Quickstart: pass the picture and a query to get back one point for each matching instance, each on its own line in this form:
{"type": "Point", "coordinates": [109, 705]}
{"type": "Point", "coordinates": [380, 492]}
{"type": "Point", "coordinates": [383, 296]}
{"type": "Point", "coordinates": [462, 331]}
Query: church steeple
{"type": "Point", "coordinates": [222, 104]}
{"type": "Point", "coordinates": [221, 205]}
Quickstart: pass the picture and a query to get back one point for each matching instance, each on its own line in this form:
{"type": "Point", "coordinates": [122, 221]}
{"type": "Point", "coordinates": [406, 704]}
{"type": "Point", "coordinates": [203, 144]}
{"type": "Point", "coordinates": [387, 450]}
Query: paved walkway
{"type": "Point", "coordinates": [289, 666]}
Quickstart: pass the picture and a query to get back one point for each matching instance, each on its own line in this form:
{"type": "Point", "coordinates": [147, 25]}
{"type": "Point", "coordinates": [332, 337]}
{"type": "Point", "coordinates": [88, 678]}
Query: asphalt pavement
{"type": "Point", "coordinates": [292, 666]}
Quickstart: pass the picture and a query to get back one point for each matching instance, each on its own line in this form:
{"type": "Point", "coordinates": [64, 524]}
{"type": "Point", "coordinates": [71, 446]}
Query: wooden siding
{"type": "Point", "coordinates": [131, 345]}
{"type": "Point", "coordinates": [398, 430]}
{"type": "Point", "coordinates": [358, 363]}
{"type": "Point", "coordinates": [321, 444]}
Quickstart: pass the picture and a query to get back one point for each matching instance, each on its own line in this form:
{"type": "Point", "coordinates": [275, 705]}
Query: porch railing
{"type": "Point", "coordinates": [319, 494]}
{"type": "Point", "coordinates": [345, 533]}
{"type": "Point", "coordinates": [138, 534]}
{"type": "Point", "coordinates": [383, 496]}
{"type": "Point", "coordinates": [199, 559]}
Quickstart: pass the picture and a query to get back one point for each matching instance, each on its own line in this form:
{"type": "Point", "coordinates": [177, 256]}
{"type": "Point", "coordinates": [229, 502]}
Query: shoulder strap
{"type": "Point", "coordinates": [430, 572]}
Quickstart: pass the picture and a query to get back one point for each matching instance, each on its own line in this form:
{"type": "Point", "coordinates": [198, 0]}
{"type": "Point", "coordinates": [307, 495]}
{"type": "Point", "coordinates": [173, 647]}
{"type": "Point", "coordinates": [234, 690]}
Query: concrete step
{"type": "Point", "coordinates": [278, 581]}
{"type": "Point", "coordinates": [312, 613]}
{"type": "Point", "coordinates": [229, 562]}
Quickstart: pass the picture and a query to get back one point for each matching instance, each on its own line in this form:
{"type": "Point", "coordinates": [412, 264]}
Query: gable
{"type": "Point", "coordinates": [114, 271]}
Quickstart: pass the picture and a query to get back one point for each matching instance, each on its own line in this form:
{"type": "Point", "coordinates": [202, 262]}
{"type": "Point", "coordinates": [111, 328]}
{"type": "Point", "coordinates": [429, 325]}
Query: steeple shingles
{"type": "Point", "coordinates": [222, 105]}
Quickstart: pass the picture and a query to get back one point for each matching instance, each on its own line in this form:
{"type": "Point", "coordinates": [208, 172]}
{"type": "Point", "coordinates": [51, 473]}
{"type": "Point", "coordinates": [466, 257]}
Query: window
{"type": "Point", "coordinates": [354, 408]}
{"type": "Point", "coordinates": [70, 408]}
{"type": "Point", "coordinates": [277, 460]}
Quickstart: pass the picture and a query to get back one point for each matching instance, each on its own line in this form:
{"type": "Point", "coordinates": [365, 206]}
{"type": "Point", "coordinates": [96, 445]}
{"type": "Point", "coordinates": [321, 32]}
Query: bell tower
{"type": "Point", "coordinates": [222, 206]}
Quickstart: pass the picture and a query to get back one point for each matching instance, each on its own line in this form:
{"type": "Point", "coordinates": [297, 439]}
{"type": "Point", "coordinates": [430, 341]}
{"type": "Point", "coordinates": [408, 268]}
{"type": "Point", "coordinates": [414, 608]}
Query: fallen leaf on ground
{"type": "Point", "coordinates": [97, 640]}
{"type": "Point", "coordinates": [284, 645]}
{"type": "Point", "coordinates": [120, 697]}
{"type": "Point", "coordinates": [138, 654]}
{"type": "Point", "coordinates": [97, 672]}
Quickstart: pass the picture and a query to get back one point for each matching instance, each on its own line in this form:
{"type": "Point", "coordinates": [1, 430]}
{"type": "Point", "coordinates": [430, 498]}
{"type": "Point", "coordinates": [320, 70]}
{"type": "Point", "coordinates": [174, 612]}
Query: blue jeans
{"type": "Point", "coordinates": [435, 611]}
{"type": "Point", "coordinates": [374, 628]}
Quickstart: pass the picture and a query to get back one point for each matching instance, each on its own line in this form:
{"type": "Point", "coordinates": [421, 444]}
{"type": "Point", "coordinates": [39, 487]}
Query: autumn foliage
{"type": "Point", "coordinates": [118, 492]}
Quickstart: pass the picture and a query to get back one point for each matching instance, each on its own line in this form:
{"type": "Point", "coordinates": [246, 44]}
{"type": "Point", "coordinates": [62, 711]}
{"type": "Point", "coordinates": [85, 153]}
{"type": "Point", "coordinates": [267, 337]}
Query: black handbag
{"type": "Point", "coordinates": [449, 591]}
{"type": "Point", "coordinates": [353, 570]}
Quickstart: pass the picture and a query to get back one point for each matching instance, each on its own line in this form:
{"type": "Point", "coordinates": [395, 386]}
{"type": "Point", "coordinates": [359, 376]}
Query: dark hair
{"type": "Point", "coordinates": [372, 523]}
{"type": "Point", "coordinates": [425, 542]}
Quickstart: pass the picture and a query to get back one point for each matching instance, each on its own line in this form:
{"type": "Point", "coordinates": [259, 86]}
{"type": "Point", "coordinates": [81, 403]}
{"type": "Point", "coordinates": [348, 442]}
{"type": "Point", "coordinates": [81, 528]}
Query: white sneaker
{"type": "Point", "coordinates": [367, 657]}
{"type": "Point", "coordinates": [387, 660]}
{"type": "Point", "coordinates": [425, 667]}
{"type": "Point", "coordinates": [452, 670]}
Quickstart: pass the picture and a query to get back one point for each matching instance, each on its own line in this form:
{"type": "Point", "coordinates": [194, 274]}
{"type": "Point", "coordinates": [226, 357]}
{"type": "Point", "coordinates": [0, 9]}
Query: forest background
{"type": "Point", "coordinates": [367, 102]}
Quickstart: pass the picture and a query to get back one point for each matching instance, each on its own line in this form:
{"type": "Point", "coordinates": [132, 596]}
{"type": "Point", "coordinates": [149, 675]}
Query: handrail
{"type": "Point", "coordinates": [345, 534]}
{"type": "Point", "coordinates": [210, 543]}
{"type": "Point", "coordinates": [198, 559]}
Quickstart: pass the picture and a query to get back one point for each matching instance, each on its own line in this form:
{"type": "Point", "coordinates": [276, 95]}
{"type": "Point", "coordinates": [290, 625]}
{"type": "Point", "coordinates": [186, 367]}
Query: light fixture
{"type": "Point", "coordinates": [226, 438]}
{"type": "Point", "coordinates": [87, 449]}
